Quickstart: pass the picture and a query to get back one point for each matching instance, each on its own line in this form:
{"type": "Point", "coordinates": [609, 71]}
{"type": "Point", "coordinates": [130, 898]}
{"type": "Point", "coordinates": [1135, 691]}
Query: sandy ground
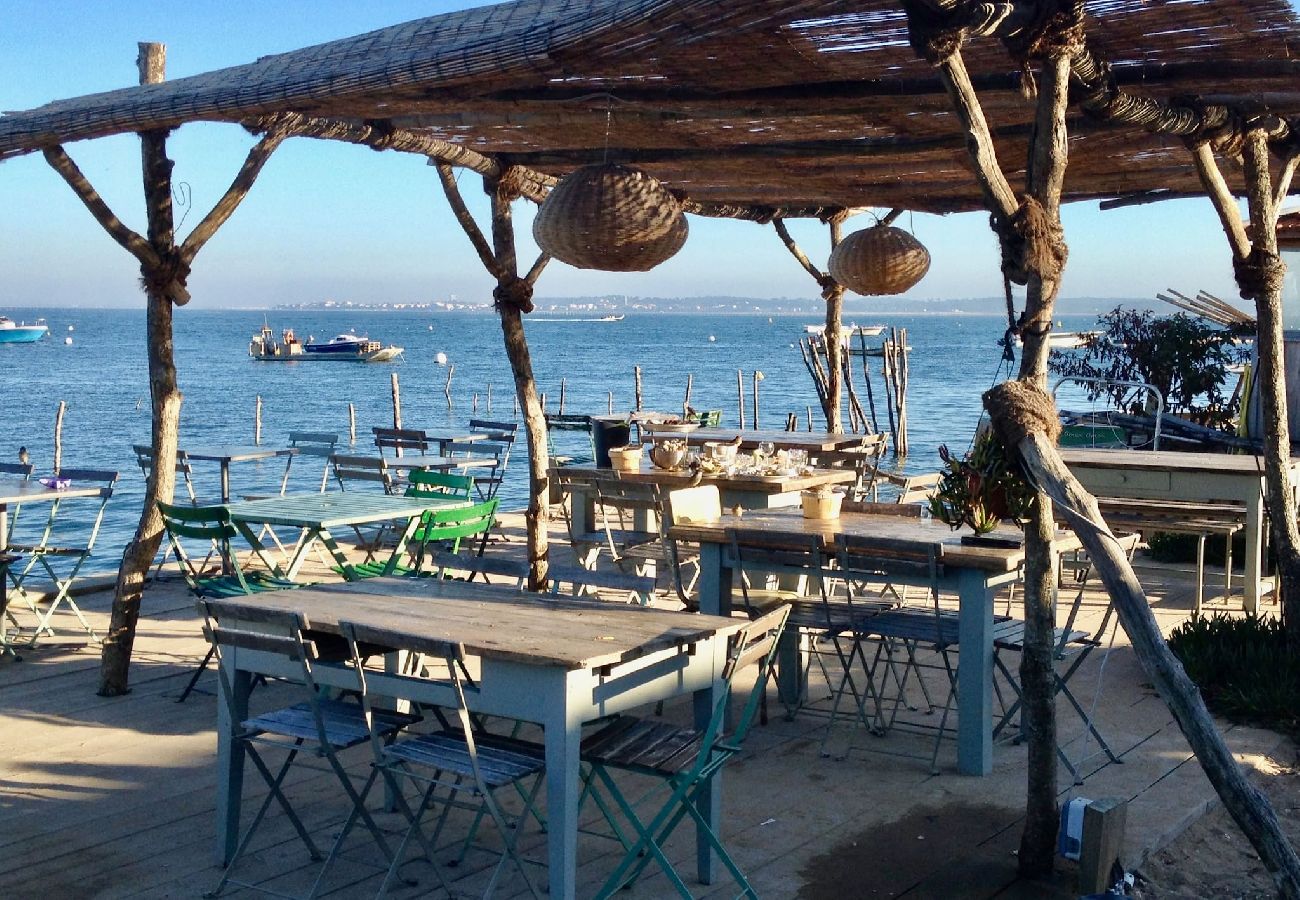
{"type": "Point", "coordinates": [1213, 858]}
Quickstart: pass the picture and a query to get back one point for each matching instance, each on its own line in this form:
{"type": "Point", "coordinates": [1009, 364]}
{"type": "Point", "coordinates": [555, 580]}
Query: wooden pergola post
{"type": "Point", "coordinates": [1023, 415]}
{"type": "Point", "coordinates": [833, 294]}
{"type": "Point", "coordinates": [513, 297]}
{"type": "Point", "coordinates": [1260, 270]}
{"type": "Point", "coordinates": [164, 270]}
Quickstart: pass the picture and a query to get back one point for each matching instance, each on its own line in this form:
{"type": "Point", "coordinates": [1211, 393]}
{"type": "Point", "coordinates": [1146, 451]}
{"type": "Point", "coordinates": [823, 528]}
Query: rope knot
{"type": "Point", "coordinates": [382, 134]}
{"type": "Point", "coordinates": [168, 278]}
{"type": "Point", "coordinates": [515, 292]}
{"type": "Point", "coordinates": [1032, 242]}
{"type": "Point", "coordinates": [510, 184]}
{"type": "Point", "coordinates": [1057, 30]}
{"type": "Point", "coordinates": [934, 34]}
{"type": "Point", "coordinates": [1260, 274]}
{"type": "Point", "coordinates": [1018, 409]}
{"type": "Point", "coordinates": [830, 287]}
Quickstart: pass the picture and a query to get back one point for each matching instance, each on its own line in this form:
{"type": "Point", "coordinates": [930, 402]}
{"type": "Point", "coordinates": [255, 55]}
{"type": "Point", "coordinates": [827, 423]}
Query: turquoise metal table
{"type": "Point", "coordinates": [226, 454]}
{"type": "Point", "coordinates": [16, 492]}
{"type": "Point", "coordinates": [559, 664]}
{"type": "Point", "coordinates": [975, 573]}
{"type": "Point", "coordinates": [320, 515]}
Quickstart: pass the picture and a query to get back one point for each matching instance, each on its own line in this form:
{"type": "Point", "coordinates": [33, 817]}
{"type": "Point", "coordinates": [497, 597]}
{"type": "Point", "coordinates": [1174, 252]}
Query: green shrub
{"type": "Point", "coordinates": [1243, 668]}
{"type": "Point", "coordinates": [1172, 547]}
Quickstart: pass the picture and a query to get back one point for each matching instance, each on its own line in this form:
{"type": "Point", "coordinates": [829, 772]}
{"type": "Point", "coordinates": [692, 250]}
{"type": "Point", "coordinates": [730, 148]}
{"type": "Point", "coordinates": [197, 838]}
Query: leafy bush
{"type": "Point", "coordinates": [1243, 668]}
{"type": "Point", "coordinates": [1183, 358]}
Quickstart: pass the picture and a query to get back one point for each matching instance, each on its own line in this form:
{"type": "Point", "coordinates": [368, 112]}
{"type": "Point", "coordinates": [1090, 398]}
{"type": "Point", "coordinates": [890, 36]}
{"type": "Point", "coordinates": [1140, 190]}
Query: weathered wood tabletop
{"type": "Point", "coordinates": [782, 440]}
{"type": "Point", "coordinates": [759, 484]}
{"type": "Point", "coordinates": [925, 534]}
{"type": "Point", "coordinates": [498, 622]}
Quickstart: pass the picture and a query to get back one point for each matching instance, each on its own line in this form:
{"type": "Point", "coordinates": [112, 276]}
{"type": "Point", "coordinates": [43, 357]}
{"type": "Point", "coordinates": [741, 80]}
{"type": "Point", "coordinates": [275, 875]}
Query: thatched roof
{"type": "Point", "coordinates": [755, 102]}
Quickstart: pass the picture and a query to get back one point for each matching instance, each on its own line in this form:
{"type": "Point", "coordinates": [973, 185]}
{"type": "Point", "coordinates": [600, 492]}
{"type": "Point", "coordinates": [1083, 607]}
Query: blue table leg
{"type": "Point", "coordinates": [563, 735]}
{"type": "Point", "coordinates": [231, 710]}
{"type": "Point", "coordinates": [975, 674]}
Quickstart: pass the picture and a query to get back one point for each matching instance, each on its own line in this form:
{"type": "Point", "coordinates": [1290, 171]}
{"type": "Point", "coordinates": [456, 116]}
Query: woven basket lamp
{"type": "Point", "coordinates": [609, 217]}
{"type": "Point", "coordinates": [879, 260]}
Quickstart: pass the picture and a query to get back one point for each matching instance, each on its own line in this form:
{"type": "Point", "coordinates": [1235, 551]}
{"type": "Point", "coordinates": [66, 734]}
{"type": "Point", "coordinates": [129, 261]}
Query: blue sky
{"type": "Point", "coordinates": [335, 221]}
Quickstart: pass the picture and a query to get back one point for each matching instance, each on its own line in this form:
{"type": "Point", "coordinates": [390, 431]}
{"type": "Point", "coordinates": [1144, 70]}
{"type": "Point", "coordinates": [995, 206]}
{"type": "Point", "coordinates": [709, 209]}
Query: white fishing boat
{"type": "Point", "coordinates": [12, 332]}
{"type": "Point", "coordinates": [344, 347]}
{"type": "Point", "coordinates": [1066, 340]}
{"type": "Point", "coordinates": [849, 330]}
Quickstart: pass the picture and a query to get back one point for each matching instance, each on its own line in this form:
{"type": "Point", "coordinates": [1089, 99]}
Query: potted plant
{"type": "Point", "coordinates": [980, 489]}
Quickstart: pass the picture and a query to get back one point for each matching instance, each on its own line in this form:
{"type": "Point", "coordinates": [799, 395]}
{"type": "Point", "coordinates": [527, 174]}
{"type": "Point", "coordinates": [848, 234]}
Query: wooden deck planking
{"type": "Point", "coordinates": [151, 833]}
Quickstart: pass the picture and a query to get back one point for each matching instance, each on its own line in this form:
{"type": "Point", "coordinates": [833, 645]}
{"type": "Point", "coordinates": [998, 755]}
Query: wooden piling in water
{"type": "Point", "coordinates": [352, 424]}
{"type": "Point", "coordinates": [446, 390]}
{"type": "Point", "coordinates": [475, 406]}
{"type": "Point", "coordinates": [563, 388]}
{"type": "Point", "coordinates": [636, 375]}
{"type": "Point", "coordinates": [610, 402]}
{"type": "Point", "coordinates": [257, 420]}
{"type": "Point", "coordinates": [740, 396]}
{"type": "Point", "coordinates": [686, 401]}
{"type": "Point", "coordinates": [489, 397]}
{"type": "Point", "coordinates": [757, 377]}
{"type": "Point", "coordinates": [397, 402]}
{"type": "Point", "coordinates": [58, 437]}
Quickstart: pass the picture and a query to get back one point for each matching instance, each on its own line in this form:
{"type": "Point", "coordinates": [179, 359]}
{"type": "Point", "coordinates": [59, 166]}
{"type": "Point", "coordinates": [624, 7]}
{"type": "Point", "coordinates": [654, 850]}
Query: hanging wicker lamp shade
{"type": "Point", "coordinates": [609, 217]}
{"type": "Point", "coordinates": [879, 260]}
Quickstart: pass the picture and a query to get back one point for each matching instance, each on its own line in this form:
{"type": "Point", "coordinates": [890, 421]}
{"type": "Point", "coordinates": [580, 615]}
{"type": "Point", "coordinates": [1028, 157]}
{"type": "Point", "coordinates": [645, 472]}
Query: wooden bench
{"type": "Point", "coordinates": [1180, 517]}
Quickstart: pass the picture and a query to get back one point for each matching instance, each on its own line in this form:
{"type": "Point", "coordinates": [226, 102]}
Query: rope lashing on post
{"type": "Point", "coordinates": [1260, 274]}
{"type": "Point", "coordinates": [937, 34]}
{"type": "Point", "coordinates": [515, 292]}
{"type": "Point", "coordinates": [511, 183]}
{"type": "Point", "coordinates": [830, 287]}
{"type": "Point", "coordinates": [167, 277]}
{"type": "Point", "coordinates": [1019, 408]}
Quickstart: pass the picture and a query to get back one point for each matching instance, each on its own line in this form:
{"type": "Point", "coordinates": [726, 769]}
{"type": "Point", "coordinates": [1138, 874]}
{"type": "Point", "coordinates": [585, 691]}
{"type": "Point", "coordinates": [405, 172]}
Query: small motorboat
{"type": "Point", "coordinates": [343, 347]}
{"type": "Point", "coordinates": [12, 332]}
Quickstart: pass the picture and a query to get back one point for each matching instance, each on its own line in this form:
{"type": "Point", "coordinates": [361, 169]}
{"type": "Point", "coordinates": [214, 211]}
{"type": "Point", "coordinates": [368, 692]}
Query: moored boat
{"type": "Point", "coordinates": [12, 332]}
{"type": "Point", "coordinates": [343, 347]}
{"type": "Point", "coordinates": [848, 331]}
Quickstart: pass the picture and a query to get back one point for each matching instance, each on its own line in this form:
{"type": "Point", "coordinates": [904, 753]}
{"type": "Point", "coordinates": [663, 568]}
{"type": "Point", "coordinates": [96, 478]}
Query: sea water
{"type": "Point", "coordinates": [102, 375]}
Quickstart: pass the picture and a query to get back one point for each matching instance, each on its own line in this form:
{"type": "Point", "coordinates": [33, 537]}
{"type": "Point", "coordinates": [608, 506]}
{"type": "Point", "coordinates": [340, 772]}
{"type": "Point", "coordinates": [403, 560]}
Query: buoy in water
{"type": "Point", "coordinates": [712, 339]}
{"type": "Point", "coordinates": [440, 358]}
{"type": "Point", "coordinates": [68, 341]}
{"type": "Point", "coordinates": [70, 328]}
{"type": "Point", "coordinates": [431, 328]}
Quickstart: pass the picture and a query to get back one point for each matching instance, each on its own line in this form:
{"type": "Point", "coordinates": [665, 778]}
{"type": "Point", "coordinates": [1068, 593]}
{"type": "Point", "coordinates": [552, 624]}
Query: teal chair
{"type": "Point", "coordinates": [438, 528]}
{"type": "Point", "coordinates": [421, 483]}
{"type": "Point", "coordinates": [209, 524]}
{"type": "Point", "coordinates": [683, 759]}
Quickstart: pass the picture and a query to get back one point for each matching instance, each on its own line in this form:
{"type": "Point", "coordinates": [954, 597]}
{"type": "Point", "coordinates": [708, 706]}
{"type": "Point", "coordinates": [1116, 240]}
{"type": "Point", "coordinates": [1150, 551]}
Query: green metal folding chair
{"type": "Point", "coordinates": [212, 524]}
{"type": "Point", "coordinates": [66, 542]}
{"type": "Point", "coordinates": [421, 483]}
{"type": "Point", "coordinates": [314, 729]}
{"type": "Point", "coordinates": [438, 528]}
{"type": "Point", "coordinates": [444, 764]}
{"type": "Point", "coordinates": [683, 759]}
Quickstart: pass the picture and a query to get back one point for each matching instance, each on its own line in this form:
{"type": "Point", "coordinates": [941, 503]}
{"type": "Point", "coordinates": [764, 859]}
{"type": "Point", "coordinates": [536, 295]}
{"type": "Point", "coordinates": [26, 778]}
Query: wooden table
{"type": "Point", "coordinates": [975, 573]}
{"type": "Point", "coordinates": [320, 514]}
{"type": "Point", "coordinates": [812, 441]}
{"type": "Point", "coordinates": [1194, 477]}
{"type": "Point", "coordinates": [438, 462]}
{"type": "Point", "coordinates": [745, 491]}
{"type": "Point", "coordinates": [556, 663]}
{"type": "Point", "coordinates": [16, 491]}
{"type": "Point", "coordinates": [226, 454]}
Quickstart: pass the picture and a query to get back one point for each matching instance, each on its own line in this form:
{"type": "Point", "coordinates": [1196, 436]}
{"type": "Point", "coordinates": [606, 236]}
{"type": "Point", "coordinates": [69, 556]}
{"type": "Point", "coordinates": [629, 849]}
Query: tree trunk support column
{"type": "Point", "coordinates": [164, 269]}
{"type": "Point", "coordinates": [833, 294]}
{"type": "Point", "coordinates": [1260, 271]}
{"type": "Point", "coordinates": [513, 297]}
{"type": "Point", "coordinates": [1024, 431]}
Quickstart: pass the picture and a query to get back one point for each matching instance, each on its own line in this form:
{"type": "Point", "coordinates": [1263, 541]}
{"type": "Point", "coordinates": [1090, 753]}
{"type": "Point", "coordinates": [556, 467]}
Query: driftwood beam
{"type": "Point", "coordinates": [136, 245]}
{"type": "Point", "coordinates": [998, 195]}
{"type": "Point", "coordinates": [1244, 802]}
{"type": "Point", "coordinates": [796, 251]}
{"type": "Point", "coordinates": [1221, 197]}
{"type": "Point", "coordinates": [234, 195]}
{"type": "Point", "coordinates": [447, 176]}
